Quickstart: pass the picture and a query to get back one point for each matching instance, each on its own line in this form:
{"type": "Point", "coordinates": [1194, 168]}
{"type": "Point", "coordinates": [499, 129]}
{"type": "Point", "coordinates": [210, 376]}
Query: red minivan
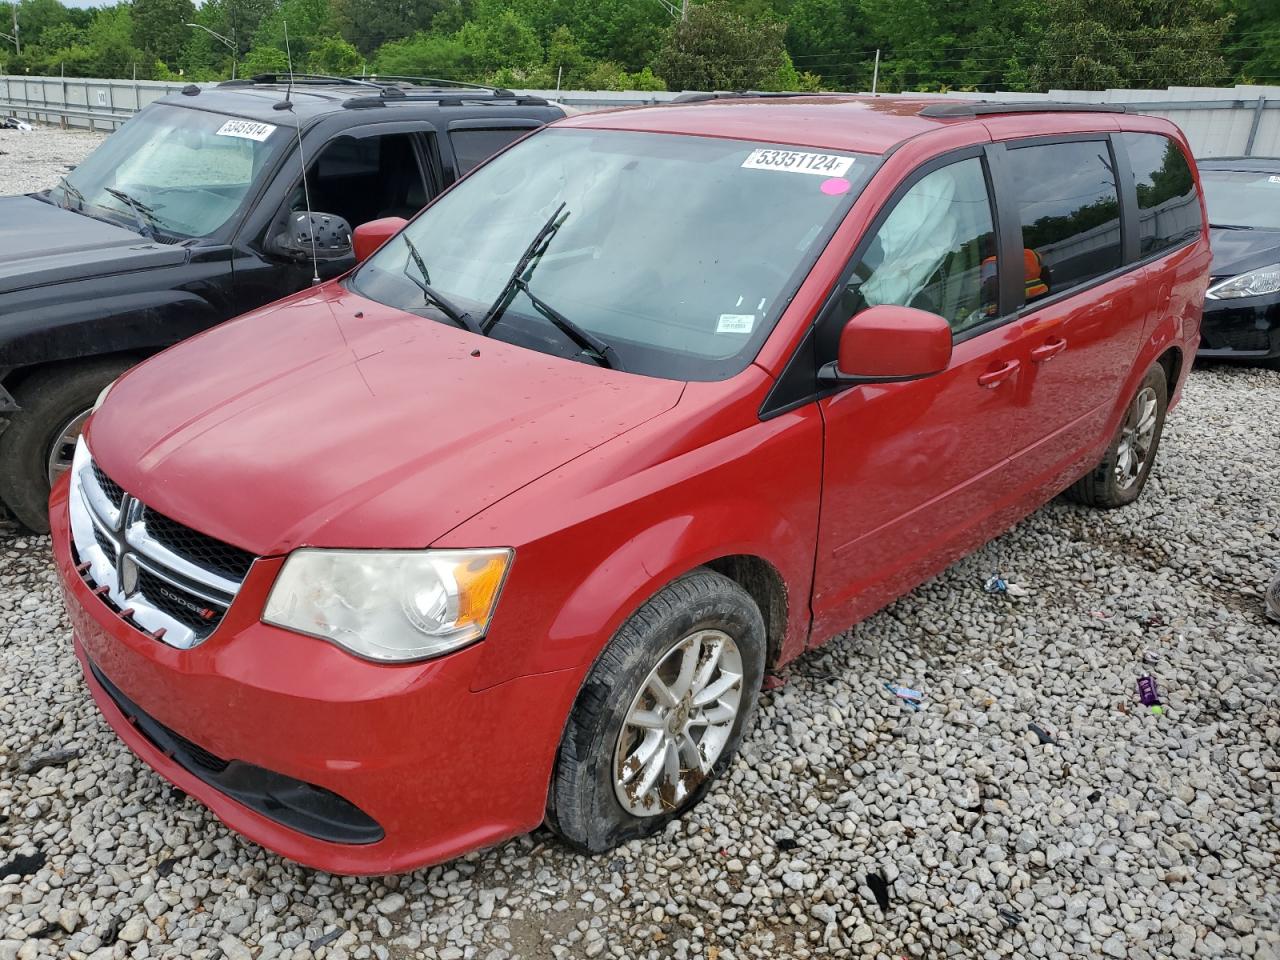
{"type": "Point", "coordinates": [507, 526]}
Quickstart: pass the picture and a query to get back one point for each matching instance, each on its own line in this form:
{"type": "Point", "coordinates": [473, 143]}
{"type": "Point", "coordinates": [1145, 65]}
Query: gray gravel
{"type": "Point", "coordinates": [1130, 835]}
{"type": "Point", "coordinates": [35, 160]}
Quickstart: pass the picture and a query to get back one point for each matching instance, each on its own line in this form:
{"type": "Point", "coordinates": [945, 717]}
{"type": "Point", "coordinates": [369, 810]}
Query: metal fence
{"type": "Point", "coordinates": [1219, 121]}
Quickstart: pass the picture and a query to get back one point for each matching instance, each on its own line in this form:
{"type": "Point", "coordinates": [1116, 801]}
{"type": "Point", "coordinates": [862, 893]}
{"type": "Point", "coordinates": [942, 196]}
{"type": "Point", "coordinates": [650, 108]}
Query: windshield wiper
{"type": "Point", "coordinates": [145, 215]}
{"type": "Point", "coordinates": [69, 191]}
{"type": "Point", "coordinates": [432, 295]}
{"type": "Point", "coordinates": [1227, 226]}
{"type": "Point", "coordinates": [584, 339]}
{"type": "Point", "coordinates": [537, 246]}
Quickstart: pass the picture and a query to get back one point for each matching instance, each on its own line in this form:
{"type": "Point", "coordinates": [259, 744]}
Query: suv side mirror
{"type": "Point", "coordinates": [887, 343]}
{"type": "Point", "coordinates": [331, 235]}
{"type": "Point", "coordinates": [370, 236]}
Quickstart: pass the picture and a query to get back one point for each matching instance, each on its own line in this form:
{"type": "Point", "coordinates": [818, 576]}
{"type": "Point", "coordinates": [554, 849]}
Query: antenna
{"type": "Point", "coordinates": [287, 104]}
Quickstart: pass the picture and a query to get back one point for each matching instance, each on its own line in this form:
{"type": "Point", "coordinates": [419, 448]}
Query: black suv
{"type": "Point", "coordinates": [196, 211]}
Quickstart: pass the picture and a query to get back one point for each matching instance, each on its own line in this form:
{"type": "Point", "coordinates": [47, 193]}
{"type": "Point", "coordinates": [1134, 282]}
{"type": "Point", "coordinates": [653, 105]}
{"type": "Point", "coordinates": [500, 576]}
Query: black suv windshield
{"type": "Point", "coordinates": [175, 171]}
{"type": "Point", "coordinates": [678, 253]}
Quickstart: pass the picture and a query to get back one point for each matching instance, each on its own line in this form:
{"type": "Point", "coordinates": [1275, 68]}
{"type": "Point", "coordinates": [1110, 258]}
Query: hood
{"type": "Point", "coordinates": [1239, 251]}
{"type": "Point", "coordinates": [43, 243]}
{"type": "Point", "coordinates": [331, 420]}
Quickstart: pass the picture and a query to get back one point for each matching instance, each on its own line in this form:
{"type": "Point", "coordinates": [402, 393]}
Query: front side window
{"type": "Point", "coordinates": [185, 172]}
{"type": "Point", "coordinates": [365, 178]}
{"type": "Point", "coordinates": [935, 251]}
{"type": "Point", "coordinates": [1248, 199]}
{"type": "Point", "coordinates": [1070, 213]}
{"type": "Point", "coordinates": [1168, 208]}
{"type": "Point", "coordinates": [677, 252]}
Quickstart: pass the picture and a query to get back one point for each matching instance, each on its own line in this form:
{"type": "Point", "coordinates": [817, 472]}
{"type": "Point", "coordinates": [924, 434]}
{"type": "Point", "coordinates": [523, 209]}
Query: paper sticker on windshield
{"type": "Point", "coordinates": [1274, 179]}
{"type": "Point", "coordinates": [736, 323]}
{"type": "Point", "coordinates": [246, 130]}
{"type": "Point", "coordinates": [794, 161]}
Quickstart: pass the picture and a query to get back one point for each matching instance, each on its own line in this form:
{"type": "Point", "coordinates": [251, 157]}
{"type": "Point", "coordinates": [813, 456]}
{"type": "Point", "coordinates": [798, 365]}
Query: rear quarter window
{"type": "Point", "coordinates": [1168, 210]}
{"type": "Point", "coordinates": [471, 147]}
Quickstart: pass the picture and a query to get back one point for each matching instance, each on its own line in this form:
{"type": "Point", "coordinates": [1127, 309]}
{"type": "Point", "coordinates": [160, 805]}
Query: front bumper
{"type": "Point", "coordinates": [1247, 328]}
{"type": "Point", "coordinates": [439, 768]}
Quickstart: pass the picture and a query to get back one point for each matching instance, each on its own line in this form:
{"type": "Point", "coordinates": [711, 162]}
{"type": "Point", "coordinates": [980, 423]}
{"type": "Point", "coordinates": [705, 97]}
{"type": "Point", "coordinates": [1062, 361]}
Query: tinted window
{"type": "Point", "coordinates": [1070, 213]}
{"type": "Point", "coordinates": [362, 179]}
{"type": "Point", "coordinates": [1168, 210]}
{"type": "Point", "coordinates": [936, 250]}
{"type": "Point", "coordinates": [471, 147]}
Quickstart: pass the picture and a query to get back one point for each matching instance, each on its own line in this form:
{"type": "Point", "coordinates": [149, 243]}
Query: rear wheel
{"type": "Point", "coordinates": [1121, 475]}
{"type": "Point", "coordinates": [37, 446]}
{"type": "Point", "coordinates": [661, 713]}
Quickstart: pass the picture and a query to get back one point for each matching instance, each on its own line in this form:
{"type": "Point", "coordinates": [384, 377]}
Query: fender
{"type": "Point", "coordinates": [571, 588]}
{"type": "Point", "coordinates": [65, 329]}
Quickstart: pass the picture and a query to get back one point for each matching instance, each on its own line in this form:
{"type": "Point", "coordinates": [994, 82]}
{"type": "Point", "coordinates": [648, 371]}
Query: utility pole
{"type": "Point", "coordinates": [229, 44]}
{"type": "Point", "coordinates": [17, 43]}
{"type": "Point", "coordinates": [875, 74]}
{"type": "Point", "coordinates": [684, 10]}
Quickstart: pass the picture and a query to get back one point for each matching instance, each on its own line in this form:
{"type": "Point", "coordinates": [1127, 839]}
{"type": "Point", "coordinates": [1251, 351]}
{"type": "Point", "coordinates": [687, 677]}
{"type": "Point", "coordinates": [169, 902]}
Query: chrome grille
{"type": "Point", "coordinates": [174, 582]}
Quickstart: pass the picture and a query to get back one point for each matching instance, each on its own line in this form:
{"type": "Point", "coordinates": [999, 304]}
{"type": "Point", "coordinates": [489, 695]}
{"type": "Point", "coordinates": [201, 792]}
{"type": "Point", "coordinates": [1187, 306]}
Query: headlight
{"type": "Point", "coordinates": [102, 396]}
{"type": "Point", "coordinates": [390, 605]}
{"type": "Point", "coordinates": [1252, 284]}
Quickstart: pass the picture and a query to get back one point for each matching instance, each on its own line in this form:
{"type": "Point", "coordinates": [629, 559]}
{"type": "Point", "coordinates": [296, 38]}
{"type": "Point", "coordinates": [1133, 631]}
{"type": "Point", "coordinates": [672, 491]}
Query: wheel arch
{"type": "Point", "coordinates": [765, 585]}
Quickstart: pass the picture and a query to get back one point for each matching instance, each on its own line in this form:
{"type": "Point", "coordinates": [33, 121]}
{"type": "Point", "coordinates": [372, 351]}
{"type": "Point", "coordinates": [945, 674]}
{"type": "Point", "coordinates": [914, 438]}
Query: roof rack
{"type": "Point", "coordinates": [698, 96]}
{"type": "Point", "coordinates": [298, 79]}
{"type": "Point", "coordinates": [446, 97]}
{"type": "Point", "coordinates": [391, 79]}
{"type": "Point", "coordinates": [943, 111]}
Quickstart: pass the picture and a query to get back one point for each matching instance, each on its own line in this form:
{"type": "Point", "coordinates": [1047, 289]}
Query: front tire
{"type": "Point", "coordinates": [660, 715]}
{"type": "Point", "coordinates": [1119, 478]}
{"type": "Point", "coordinates": [36, 446]}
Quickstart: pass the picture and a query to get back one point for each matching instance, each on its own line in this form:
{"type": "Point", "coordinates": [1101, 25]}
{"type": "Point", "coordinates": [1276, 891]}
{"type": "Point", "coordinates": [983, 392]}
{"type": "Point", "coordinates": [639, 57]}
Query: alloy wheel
{"type": "Point", "coordinates": [678, 724]}
{"type": "Point", "coordinates": [1136, 437]}
{"type": "Point", "coordinates": [63, 448]}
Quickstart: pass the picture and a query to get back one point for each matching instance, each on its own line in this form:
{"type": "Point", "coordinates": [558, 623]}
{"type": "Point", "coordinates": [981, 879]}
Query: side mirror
{"type": "Point", "coordinates": [370, 236]}
{"type": "Point", "coordinates": [887, 343]}
{"type": "Point", "coordinates": [326, 236]}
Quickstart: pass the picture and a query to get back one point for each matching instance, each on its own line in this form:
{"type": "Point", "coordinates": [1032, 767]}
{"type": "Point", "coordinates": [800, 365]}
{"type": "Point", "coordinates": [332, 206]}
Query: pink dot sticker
{"type": "Point", "coordinates": [836, 186]}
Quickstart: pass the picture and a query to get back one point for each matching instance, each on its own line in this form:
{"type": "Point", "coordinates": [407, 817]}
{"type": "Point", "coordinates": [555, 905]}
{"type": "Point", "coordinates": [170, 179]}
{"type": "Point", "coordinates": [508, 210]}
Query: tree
{"type": "Point", "coordinates": [1095, 44]}
{"type": "Point", "coordinates": [1253, 40]}
{"type": "Point", "coordinates": [335, 57]}
{"type": "Point", "coordinates": [368, 24]}
{"type": "Point", "coordinates": [422, 55]}
{"type": "Point", "coordinates": [160, 27]}
{"type": "Point", "coordinates": [716, 49]}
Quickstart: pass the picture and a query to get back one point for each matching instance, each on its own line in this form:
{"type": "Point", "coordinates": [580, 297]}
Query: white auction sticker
{"type": "Point", "coordinates": [246, 130]}
{"type": "Point", "coordinates": [736, 323]}
{"type": "Point", "coordinates": [795, 161]}
{"type": "Point", "coordinates": [1274, 179]}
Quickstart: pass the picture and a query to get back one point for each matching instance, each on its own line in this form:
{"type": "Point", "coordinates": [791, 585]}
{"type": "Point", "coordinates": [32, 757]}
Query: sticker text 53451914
{"type": "Point", "coordinates": [796, 161]}
{"type": "Point", "coordinates": [246, 130]}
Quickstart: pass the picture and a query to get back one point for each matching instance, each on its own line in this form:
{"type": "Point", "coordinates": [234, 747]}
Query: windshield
{"type": "Point", "coordinates": [181, 172]}
{"type": "Point", "coordinates": [1239, 198]}
{"type": "Point", "coordinates": [671, 256]}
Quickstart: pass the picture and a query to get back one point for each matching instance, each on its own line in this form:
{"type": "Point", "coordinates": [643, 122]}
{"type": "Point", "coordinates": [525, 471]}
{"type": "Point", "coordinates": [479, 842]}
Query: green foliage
{"type": "Point", "coordinates": [639, 44]}
{"type": "Point", "coordinates": [160, 27]}
{"type": "Point", "coordinates": [717, 49]}
{"type": "Point", "coordinates": [1095, 44]}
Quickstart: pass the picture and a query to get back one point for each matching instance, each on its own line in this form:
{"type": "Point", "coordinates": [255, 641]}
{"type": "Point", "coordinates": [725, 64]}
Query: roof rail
{"type": "Point", "coordinates": [943, 111]}
{"type": "Point", "coordinates": [699, 96]}
{"type": "Point", "coordinates": [298, 79]}
{"type": "Point", "coordinates": [483, 95]}
{"type": "Point", "coordinates": [386, 79]}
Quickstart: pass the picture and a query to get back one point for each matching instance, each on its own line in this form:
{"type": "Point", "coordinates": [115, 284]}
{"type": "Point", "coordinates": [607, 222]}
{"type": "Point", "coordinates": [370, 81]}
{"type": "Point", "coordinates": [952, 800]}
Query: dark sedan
{"type": "Point", "coordinates": [1242, 306]}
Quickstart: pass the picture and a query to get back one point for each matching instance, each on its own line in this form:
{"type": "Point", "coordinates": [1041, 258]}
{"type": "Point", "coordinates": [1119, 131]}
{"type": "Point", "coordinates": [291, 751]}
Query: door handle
{"type": "Point", "coordinates": [1048, 350]}
{"type": "Point", "coordinates": [993, 378]}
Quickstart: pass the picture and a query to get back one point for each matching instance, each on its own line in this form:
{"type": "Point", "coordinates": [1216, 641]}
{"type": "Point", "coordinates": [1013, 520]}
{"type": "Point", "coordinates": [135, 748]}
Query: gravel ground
{"type": "Point", "coordinates": [35, 160]}
{"type": "Point", "coordinates": [849, 827]}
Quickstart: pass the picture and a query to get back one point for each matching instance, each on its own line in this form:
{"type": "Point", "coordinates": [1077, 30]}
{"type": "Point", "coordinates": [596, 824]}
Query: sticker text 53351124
{"type": "Point", "coordinates": [796, 161]}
